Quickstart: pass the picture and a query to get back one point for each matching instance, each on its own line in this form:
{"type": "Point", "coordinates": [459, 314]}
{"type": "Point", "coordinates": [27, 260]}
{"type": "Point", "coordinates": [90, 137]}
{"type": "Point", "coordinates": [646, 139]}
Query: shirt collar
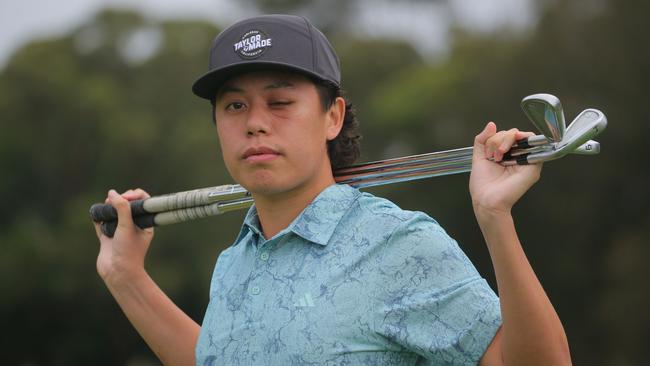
{"type": "Point", "coordinates": [317, 222]}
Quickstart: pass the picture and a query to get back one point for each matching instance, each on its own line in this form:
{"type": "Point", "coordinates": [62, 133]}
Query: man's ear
{"type": "Point", "coordinates": [335, 116]}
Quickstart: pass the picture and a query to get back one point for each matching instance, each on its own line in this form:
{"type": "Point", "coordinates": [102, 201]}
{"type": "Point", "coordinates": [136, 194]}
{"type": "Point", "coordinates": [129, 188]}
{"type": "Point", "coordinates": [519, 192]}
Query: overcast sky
{"type": "Point", "coordinates": [23, 20]}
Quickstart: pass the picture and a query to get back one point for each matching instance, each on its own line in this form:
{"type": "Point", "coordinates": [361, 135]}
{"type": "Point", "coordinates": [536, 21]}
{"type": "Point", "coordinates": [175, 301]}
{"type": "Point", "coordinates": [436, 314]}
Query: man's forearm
{"type": "Point", "coordinates": [532, 331]}
{"type": "Point", "coordinates": [169, 332]}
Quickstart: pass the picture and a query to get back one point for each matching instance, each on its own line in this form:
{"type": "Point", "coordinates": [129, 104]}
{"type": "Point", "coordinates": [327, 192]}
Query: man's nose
{"type": "Point", "coordinates": [258, 121]}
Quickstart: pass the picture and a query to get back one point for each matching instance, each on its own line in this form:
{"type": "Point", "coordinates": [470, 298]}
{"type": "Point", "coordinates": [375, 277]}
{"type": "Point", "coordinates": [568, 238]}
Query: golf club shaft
{"type": "Point", "coordinates": [229, 192]}
{"type": "Point", "coordinates": [443, 160]}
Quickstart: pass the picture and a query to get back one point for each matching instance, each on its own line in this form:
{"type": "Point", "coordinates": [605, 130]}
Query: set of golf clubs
{"type": "Point", "coordinates": [543, 110]}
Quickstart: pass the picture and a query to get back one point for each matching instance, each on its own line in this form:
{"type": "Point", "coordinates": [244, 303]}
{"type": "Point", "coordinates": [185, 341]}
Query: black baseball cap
{"type": "Point", "coordinates": [284, 42]}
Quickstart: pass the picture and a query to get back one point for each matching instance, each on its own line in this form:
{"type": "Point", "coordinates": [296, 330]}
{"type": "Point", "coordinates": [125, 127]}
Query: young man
{"type": "Point", "coordinates": [321, 273]}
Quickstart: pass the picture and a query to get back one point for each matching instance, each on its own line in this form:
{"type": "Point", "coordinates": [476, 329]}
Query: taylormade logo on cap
{"type": "Point", "coordinates": [253, 44]}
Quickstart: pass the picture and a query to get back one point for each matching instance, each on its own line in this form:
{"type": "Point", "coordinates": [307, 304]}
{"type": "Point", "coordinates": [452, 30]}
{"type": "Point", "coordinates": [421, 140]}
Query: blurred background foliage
{"type": "Point", "coordinates": [108, 106]}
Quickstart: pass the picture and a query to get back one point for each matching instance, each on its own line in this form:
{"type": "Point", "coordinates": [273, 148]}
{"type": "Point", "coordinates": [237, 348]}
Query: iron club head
{"type": "Point", "coordinates": [546, 113]}
{"type": "Point", "coordinates": [587, 125]}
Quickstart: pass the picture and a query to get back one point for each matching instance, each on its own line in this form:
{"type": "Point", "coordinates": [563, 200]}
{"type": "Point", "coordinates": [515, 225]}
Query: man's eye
{"type": "Point", "coordinates": [235, 106]}
{"type": "Point", "coordinates": [280, 103]}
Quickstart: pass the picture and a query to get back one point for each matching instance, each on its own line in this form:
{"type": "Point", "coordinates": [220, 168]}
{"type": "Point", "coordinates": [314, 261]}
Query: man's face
{"type": "Point", "coordinates": [273, 132]}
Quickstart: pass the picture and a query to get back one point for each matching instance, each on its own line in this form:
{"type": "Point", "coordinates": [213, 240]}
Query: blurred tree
{"type": "Point", "coordinates": [588, 55]}
{"type": "Point", "coordinates": [329, 16]}
{"type": "Point", "coordinates": [334, 17]}
{"type": "Point", "coordinates": [82, 114]}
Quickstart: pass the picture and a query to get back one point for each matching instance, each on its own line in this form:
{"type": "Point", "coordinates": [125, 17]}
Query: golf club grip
{"type": "Point", "coordinates": [168, 202]}
{"type": "Point", "coordinates": [180, 215]}
{"type": "Point", "coordinates": [104, 212]}
{"type": "Point", "coordinates": [143, 221]}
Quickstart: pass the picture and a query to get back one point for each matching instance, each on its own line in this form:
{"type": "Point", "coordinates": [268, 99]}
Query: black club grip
{"type": "Point", "coordinates": [523, 143]}
{"type": "Point", "coordinates": [523, 159]}
{"type": "Point", "coordinates": [104, 212]}
{"type": "Point", "coordinates": [142, 221]}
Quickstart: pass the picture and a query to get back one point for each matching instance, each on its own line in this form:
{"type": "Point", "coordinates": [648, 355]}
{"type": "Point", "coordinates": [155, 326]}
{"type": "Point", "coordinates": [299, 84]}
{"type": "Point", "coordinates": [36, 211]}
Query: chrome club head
{"type": "Point", "coordinates": [545, 112]}
{"type": "Point", "coordinates": [587, 125]}
{"type": "Point", "coordinates": [589, 119]}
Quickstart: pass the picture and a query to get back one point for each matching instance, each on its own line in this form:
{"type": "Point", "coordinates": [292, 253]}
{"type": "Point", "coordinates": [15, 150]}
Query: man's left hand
{"type": "Point", "coordinates": [495, 188]}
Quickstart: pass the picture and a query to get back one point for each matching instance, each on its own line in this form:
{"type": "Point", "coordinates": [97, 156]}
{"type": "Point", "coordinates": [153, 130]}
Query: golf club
{"type": "Point", "coordinates": [360, 175]}
{"type": "Point", "coordinates": [203, 196]}
{"type": "Point", "coordinates": [194, 204]}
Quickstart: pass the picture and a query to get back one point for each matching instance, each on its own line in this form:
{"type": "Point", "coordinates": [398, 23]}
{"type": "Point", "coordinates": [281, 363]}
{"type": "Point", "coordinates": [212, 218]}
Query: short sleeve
{"type": "Point", "coordinates": [430, 298]}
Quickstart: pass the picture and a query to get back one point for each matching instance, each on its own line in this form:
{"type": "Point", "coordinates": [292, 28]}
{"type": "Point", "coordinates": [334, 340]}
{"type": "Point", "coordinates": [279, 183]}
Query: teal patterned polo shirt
{"type": "Point", "coordinates": [353, 280]}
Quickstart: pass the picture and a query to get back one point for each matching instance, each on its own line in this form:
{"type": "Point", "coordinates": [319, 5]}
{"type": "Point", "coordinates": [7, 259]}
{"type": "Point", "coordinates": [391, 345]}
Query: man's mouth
{"type": "Point", "coordinates": [260, 154]}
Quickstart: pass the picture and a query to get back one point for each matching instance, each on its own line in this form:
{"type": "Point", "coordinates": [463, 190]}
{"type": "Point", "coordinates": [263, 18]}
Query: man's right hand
{"type": "Point", "coordinates": [169, 332]}
{"type": "Point", "coordinates": [122, 256]}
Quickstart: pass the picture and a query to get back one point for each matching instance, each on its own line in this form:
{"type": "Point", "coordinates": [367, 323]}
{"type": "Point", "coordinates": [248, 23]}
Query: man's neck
{"type": "Point", "coordinates": [276, 212]}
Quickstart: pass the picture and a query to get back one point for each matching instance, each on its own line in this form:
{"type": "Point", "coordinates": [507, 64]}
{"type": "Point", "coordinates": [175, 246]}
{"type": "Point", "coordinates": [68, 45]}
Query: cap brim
{"type": "Point", "coordinates": [207, 85]}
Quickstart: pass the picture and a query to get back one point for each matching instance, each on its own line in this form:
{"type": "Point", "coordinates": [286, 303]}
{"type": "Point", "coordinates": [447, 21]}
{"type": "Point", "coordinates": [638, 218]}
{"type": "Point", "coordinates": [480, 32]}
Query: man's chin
{"type": "Point", "coordinates": [264, 184]}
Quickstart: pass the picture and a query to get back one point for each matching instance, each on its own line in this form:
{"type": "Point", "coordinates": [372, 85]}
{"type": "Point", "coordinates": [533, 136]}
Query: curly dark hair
{"type": "Point", "coordinates": [345, 148]}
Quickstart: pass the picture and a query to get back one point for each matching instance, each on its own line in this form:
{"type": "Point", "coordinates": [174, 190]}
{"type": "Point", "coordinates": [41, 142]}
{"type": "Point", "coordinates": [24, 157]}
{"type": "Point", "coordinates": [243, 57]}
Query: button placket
{"type": "Point", "coordinates": [254, 287]}
{"type": "Point", "coordinates": [263, 249]}
{"type": "Point", "coordinates": [263, 254]}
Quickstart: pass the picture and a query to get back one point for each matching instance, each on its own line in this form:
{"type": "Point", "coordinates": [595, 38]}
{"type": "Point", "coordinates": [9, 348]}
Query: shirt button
{"type": "Point", "coordinates": [255, 290]}
{"type": "Point", "coordinates": [264, 256]}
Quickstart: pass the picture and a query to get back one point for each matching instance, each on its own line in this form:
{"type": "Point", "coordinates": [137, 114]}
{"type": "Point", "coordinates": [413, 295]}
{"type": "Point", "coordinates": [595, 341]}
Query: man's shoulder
{"type": "Point", "coordinates": [382, 208]}
{"type": "Point", "coordinates": [382, 217]}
